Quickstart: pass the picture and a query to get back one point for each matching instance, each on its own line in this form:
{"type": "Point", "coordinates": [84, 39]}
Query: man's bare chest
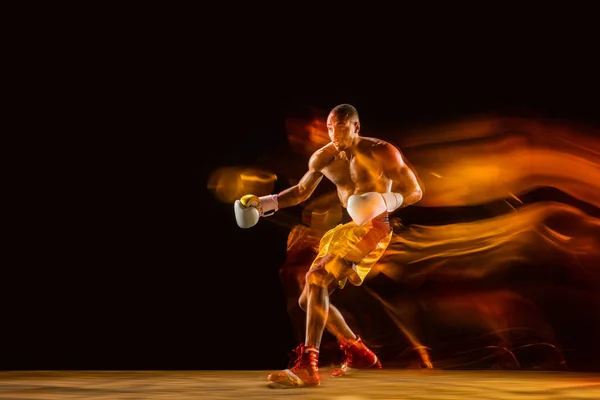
{"type": "Point", "coordinates": [342, 171]}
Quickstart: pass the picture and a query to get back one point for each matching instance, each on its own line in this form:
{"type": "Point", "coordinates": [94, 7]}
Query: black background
{"type": "Point", "coordinates": [145, 269]}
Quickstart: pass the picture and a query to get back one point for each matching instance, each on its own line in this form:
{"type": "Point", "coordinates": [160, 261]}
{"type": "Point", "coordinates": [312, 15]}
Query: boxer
{"type": "Point", "coordinates": [372, 180]}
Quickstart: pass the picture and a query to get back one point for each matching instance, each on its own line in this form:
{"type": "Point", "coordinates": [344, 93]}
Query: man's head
{"type": "Point", "coordinates": [343, 126]}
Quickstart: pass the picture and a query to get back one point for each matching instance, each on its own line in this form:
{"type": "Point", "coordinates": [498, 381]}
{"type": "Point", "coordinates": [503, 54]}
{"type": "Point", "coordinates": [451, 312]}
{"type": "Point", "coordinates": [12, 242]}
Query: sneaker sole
{"type": "Point", "coordinates": [275, 385]}
{"type": "Point", "coordinates": [346, 370]}
{"type": "Point", "coordinates": [293, 382]}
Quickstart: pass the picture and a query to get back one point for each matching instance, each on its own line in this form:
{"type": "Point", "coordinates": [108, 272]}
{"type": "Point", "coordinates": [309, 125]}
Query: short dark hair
{"type": "Point", "coordinates": [345, 110]}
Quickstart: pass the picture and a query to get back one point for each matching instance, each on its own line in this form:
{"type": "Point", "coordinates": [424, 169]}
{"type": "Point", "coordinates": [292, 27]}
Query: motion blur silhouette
{"type": "Point", "coordinates": [497, 266]}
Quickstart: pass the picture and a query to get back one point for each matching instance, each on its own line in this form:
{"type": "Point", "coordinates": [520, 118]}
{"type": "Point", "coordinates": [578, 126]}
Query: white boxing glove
{"type": "Point", "coordinates": [364, 207]}
{"type": "Point", "coordinates": [250, 208]}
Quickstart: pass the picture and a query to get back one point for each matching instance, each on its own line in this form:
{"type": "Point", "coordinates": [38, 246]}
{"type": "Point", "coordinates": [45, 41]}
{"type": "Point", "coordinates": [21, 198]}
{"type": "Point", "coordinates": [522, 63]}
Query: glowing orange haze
{"type": "Point", "coordinates": [466, 163]}
{"type": "Point", "coordinates": [487, 158]}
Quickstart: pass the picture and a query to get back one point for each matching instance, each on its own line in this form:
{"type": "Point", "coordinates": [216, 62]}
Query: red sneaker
{"type": "Point", "coordinates": [305, 371]}
{"type": "Point", "coordinates": [357, 356]}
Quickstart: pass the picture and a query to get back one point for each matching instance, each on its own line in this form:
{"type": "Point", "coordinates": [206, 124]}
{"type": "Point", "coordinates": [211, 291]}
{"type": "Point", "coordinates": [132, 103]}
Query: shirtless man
{"type": "Point", "coordinates": [372, 180]}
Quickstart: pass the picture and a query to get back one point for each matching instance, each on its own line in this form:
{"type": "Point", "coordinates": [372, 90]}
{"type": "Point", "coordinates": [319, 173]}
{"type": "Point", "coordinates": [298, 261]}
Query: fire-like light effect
{"type": "Point", "coordinates": [486, 159]}
{"type": "Point", "coordinates": [544, 231]}
{"type": "Point", "coordinates": [230, 183]}
{"type": "Point", "coordinates": [487, 283]}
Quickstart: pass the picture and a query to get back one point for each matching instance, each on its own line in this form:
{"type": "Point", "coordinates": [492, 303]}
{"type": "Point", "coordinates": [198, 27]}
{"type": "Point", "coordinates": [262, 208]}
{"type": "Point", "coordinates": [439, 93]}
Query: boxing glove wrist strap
{"type": "Point", "coordinates": [392, 200]}
{"type": "Point", "coordinates": [269, 205]}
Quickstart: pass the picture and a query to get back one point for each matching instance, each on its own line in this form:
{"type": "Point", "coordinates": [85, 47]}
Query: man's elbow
{"type": "Point", "coordinates": [417, 194]}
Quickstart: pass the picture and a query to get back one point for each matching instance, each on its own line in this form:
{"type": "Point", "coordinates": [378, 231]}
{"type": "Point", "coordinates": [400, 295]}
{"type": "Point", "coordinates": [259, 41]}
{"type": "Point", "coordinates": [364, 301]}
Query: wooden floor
{"type": "Point", "coordinates": [383, 384]}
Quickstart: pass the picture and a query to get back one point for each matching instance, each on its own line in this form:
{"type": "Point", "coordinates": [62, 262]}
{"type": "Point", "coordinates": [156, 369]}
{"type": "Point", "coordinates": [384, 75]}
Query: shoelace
{"type": "Point", "coordinates": [297, 352]}
{"type": "Point", "coordinates": [348, 354]}
{"type": "Point", "coordinates": [346, 349]}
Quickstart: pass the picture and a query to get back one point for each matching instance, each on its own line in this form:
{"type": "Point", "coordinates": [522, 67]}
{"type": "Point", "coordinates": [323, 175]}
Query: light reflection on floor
{"type": "Point", "coordinates": [369, 384]}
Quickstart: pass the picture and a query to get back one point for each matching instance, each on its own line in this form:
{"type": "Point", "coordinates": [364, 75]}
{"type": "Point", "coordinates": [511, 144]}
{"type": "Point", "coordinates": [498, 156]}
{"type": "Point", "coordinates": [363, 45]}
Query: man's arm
{"type": "Point", "coordinates": [300, 192]}
{"type": "Point", "coordinates": [250, 208]}
{"type": "Point", "coordinates": [404, 180]}
{"type": "Point", "coordinates": [405, 189]}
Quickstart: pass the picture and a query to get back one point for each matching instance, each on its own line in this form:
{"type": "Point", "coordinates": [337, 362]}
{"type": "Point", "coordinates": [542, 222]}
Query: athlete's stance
{"type": "Point", "coordinates": [372, 180]}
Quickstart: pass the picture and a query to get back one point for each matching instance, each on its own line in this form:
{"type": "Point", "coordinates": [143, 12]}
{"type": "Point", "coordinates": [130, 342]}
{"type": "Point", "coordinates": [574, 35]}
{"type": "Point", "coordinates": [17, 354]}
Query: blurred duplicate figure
{"type": "Point", "coordinates": [372, 180]}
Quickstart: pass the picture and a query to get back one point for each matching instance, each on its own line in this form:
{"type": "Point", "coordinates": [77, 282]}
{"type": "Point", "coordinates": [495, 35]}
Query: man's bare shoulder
{"type": "Point", "coordinates": [376, 145]}
{"type": "Point", "coordinates": [323, 156]}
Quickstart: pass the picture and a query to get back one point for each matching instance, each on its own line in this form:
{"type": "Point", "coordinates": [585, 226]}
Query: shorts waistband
{"type": "Point", "coordinates": [383, 217]}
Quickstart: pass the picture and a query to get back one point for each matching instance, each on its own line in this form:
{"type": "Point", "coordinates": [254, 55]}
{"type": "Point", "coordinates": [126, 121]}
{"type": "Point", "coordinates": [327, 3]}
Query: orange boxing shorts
{"type": "Point", "coordinates": [360, 246]}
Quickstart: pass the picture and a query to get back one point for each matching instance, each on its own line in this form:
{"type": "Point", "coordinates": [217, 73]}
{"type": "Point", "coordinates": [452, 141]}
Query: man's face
{"type": "Point", "coordinates": [342, 130]}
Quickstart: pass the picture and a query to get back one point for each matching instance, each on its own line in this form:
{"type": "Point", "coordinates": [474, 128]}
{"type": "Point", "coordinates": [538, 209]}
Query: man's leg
{"type": "Point", "coordinates": [319, 312]}
{"type": "Point", "coordinates": [320, 283]}
{"type": "Point", "coordinates": [321, 306]}
{"type": "Point", "coordinates": [305, 371]}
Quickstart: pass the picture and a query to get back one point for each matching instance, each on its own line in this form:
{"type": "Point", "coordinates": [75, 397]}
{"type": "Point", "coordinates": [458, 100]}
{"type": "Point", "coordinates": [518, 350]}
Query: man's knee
{"type": "Point", "coordinates": [318, 276]}
{"type": "Point", "coordinates": [303, 301]}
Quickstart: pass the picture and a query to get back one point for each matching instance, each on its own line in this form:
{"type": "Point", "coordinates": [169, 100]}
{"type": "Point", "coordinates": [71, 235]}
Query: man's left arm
{"type": "Point", "coordinates": [406, 189]}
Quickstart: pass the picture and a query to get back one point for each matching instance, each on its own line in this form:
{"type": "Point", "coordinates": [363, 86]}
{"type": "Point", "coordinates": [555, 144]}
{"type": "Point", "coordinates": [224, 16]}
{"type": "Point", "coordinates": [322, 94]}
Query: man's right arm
{"type": "Point", "coordinates": [301, 191]}
{"type": "Point", "coordinates": [250, 207]}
